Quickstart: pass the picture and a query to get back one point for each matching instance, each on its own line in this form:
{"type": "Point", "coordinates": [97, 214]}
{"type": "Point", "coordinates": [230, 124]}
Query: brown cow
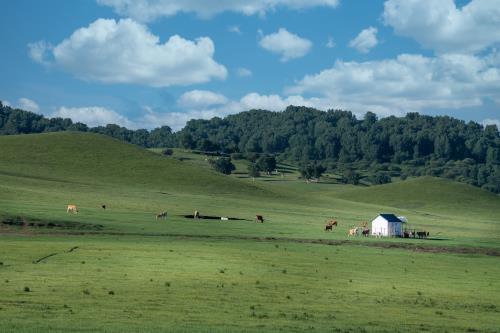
{"type": "Point", "coordinates": [366, 232]}
{"type": "Point", "coordinates": [330, 225]}
{"type": "Point", "coordinates": [72, 209]}
{"type": "Point", "coordinates": [259, 218]}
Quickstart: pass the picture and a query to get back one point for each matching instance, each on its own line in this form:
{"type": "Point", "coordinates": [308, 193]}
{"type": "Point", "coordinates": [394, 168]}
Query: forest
{"type": "Point", "coordinates": [368, 150]}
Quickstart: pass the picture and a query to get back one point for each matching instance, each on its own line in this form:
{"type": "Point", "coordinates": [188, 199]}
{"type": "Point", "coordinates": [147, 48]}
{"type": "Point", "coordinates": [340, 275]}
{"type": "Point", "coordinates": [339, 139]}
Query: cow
{"type": "Point", "coordinates": [353, 232]}
{"type": "Point", "coordinates": [422, 234]}
{"type": "Point", "coordinates": [103, 206]}
{"type": "Point", "coordinates": [72, 209]}
{"type": "Point", "coordinates": [366, 232]}
{"type": "Point", "coordinates": [259, 218]}
{"type": "Point", "coordinates": [196, 214]}
{"type": "Point", "coordinates": [330, 225]}
{"type": "Point", "coordinates": [162, 215]}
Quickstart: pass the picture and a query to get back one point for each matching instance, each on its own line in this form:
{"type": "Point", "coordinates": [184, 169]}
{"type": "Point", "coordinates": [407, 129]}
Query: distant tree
{"type": "Point", "coordinates": [266, 164]}
{"type": "Point", "coordinates": [312, 171]}
{"type": "Point", "coordinates": [222, 165]}
{"type": "Point", "coordinates": [381, 178]}
{"type": "Point", "coordinates": [168, 152]}
{"type": "Point", "coordinates": [186, 141]}
{"type": "Point", "coordinates": [351, 177]}
{"type": "Point", "coordinates": [253, 171]}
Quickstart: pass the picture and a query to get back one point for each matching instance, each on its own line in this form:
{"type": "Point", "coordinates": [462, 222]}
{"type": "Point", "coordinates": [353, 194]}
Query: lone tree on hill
{"type": "Point", "coordinates": [222, 165]}
{"type": "Point", "coordinates": [253, 171]}
{"type": "Point", "coordinates": [266, 164]}
{"type": "Point", "coordinates": [312, 171]}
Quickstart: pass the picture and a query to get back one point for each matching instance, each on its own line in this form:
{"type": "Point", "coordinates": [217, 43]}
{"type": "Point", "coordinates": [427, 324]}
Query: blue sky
{"type": "Point", "coordinates": [147, 63]}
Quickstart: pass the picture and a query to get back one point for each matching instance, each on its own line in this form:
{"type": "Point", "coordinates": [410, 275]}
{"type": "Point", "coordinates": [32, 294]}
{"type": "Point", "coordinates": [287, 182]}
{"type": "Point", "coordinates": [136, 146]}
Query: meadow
{"type": "Point", "coordinates": [120, 270]}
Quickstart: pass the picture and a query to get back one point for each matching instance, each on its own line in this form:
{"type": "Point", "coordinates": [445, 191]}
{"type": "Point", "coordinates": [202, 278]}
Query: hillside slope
{"type": "Point", "coordinates": [428, 194]}
{"type": "Point", "coordinates": [95, 159]}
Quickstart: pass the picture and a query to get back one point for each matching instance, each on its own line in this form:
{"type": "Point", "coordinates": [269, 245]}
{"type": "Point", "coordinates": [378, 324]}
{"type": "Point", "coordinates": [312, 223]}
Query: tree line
{"type": "Point", "coordinates": [368, 150]}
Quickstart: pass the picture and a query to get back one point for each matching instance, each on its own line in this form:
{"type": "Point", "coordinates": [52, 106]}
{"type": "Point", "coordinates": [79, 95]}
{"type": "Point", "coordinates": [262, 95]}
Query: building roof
{"type": "Point", "coordinates": [391, 218]}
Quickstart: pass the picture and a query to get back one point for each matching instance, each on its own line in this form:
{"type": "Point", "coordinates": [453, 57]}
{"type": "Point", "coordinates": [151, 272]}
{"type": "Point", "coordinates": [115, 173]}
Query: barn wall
{"type": "Point", "coordinates": [380, 225]}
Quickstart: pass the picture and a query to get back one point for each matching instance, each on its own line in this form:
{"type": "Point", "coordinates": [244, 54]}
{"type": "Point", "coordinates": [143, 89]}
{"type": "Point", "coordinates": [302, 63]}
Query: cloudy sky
{"type": "Point", "coordinates": [147, 63]}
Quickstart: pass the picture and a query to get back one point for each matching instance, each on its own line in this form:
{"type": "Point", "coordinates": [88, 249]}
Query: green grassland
{"type": "Point", "coordinates": [121, 270]}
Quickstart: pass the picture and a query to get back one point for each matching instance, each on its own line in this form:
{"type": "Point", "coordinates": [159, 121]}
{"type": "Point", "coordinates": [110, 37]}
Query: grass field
{"type": "Point", "coordinates": [121, 270]}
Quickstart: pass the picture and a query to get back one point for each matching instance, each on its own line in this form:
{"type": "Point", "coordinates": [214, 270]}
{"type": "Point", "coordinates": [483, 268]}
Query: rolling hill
{"type": "Point", "coordinates": [88, 158]}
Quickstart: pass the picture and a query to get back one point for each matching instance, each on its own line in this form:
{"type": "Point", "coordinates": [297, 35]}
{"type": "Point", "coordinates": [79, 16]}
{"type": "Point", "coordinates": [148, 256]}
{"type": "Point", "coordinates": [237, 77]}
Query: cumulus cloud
{"type": "Point", "coordinates": [407, 83]}
{"type": "Point", "coordinates": [365, 41]}
{"type": "Point", "coordinates": [148, 10]}
{"type": "Point", "coordinates": [28, 104]}
{"type": "Point", "coordinates": [243, 72]}
{"type": "Point", "coordinates": [125, 51]}
{"type": "Point", "coordinates": [286, 44]}
{"type": "Point", "coordinates": [201, 98]}
{"type": "Point", "coordinates": [94, 116]}
{"type": "Point", "coordinates": [442, 26]}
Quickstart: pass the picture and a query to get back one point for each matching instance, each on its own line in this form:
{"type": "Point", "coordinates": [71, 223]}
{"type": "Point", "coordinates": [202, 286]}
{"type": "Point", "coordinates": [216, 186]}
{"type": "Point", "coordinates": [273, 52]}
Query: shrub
{"type": "Point", "coordinates": [167, 152]}
{"type": "Point", "coordinates": [222, 165]}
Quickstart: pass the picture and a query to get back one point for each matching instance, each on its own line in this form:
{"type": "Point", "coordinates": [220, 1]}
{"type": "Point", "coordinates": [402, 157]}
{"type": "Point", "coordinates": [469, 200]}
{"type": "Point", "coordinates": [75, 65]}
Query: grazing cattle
{"type": "Point", "coordinates": [259, 218]}
{"type": "Point", "coordinates": [333, 223]}
{"type": "Point", "coordinates": [162, 215]}
{"type": "Point", "coordinates": [353, 232]}
{"type": "Point", "coordinates": [422, 234]}
{"type": "Point", "coordinates": [330, 225]}
{"type": "Point", "coordinates": [196, 214]}
{"type": "Point", "coordinates": [103, 206]}
{"type": "Point", "coordinates": [72, 209]}
{"type": "Point", "coordinates": [366, 232]}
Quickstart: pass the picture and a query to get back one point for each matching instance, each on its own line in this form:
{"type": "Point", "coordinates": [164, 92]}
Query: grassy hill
{"type": "Point", "coordinates": [95, 159]}
{"type": "Point", "coordinates": [121, 270]}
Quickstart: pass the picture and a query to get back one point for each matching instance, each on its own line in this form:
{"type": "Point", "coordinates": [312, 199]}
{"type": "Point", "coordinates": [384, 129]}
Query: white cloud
{"type": "Point", "coordinates": [201, 98]}
{"type": "Point", "coordinates": [235, 29]}
{"type": "Point", "coordinates": [28, 104]}
{"type": "Point", "coordinates": [330, 43]}
{"type": "Point", "coordinates": [496, 122]}
{"type": "Point", "coordinates": [39, 51]}
{"type": "Point", "coordinates": [407, 83]}
{"type": "Point", "coordinates": [365, 41]}
{"type": "Point", "coordinates": [94, 116]}
{"type": "Point", "coordinates": [442, 26]}
{"type": "Point", "coordinates": [243, 72]}
{"type": "Point", "coordinates": [5, 103]}
{"type": "Point", "coordinates": [286, 44]}
{"type": "Point", "coordinates": [148, 10]}
{"type": "Point", "coordinates": [125, 51]}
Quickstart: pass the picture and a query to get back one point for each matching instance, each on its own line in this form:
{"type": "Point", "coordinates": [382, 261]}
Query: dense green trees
{"type": "Point", "coordinates": [16, 121]}
{"type": "Point", "coordinates": [312, 170]}
{"type": "Point", "coordinates": [370, 150]}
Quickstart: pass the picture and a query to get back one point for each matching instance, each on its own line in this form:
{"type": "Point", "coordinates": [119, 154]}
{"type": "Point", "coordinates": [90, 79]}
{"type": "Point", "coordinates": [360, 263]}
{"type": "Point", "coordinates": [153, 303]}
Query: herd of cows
{"type": "Point", "coordinates": [362, 230]}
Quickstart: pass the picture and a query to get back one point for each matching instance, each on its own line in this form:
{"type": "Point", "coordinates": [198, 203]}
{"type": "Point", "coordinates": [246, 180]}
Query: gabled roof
{"type": "Point", "coordinates": [391, 218]}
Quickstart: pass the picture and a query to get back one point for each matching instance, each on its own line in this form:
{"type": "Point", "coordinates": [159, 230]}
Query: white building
{"type": "Point", "coordinates": [387, 225]}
